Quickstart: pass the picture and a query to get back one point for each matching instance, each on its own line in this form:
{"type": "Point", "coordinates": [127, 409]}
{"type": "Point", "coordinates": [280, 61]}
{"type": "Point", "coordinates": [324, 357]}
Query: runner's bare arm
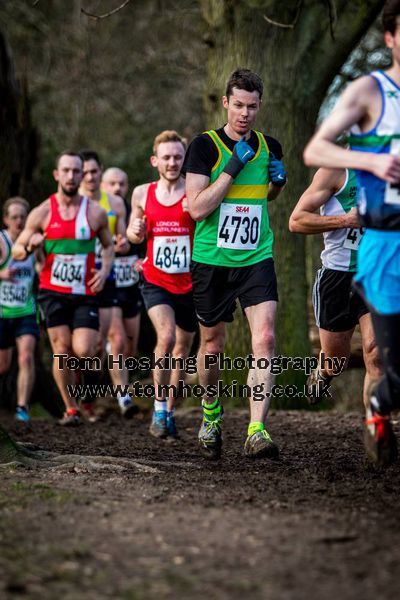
{"type": "Point", "coordinates": [98, 280]}
{"type": "Point", "coordinates": [137, 224]}
{"type": "Point", "coordinates": [35, 224]}
{"type": "Point", "coordinates": [305, 219]}
{"type": "Point", "coordinates": [352, 108]}
{"type": "Point", "coordinates": [121, 245]}
{"type": "Point", "coordinates": [204, 198]}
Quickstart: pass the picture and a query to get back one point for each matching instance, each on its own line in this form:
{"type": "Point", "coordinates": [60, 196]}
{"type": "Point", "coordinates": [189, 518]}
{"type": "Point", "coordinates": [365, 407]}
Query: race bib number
{"type": "Point", "coordinates": [171, 254]}
{"type": "Point", "coordinates": [14, 295]}
{"type": "Point", "coordinates": [239, 226]}
{"type": "Point", "coordinates": [68, 271]}
{"type": "Point", "coordinates": [124, 273]}
{"type": "Point", "coordinates": [392, 190]}
{"type": "Point", "coordinates": [353, 238]}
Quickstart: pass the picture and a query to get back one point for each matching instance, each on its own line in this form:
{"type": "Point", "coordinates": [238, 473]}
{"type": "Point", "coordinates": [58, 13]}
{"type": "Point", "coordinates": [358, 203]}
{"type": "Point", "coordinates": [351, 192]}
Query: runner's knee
{"type": "Point", "coordinates": [165, 341]}
{"type": "Point", "coordinates": [263, 342]}
{"type": "Point", "coordinates": [25, 359]}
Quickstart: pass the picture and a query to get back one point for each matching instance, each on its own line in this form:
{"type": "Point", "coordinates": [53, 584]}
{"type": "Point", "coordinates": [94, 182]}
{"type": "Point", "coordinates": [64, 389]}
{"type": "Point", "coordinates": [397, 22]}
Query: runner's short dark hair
{"type": "Point", "coordinates": [244, 79]}
{"type": "Point", "coordinates": [390, 13]}
{"type": "Point", "coordinates": [90, 155]}
{"type": "Point", "coordinates": [68, 153]}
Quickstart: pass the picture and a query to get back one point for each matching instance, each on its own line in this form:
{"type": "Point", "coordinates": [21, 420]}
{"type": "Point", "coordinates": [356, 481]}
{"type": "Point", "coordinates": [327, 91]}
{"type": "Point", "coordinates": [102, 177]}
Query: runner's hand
{"type": "Point", "coordinates": [241, 155]}
{"type": "Point", "coordinates": [386, 167]}
{"type": "Point", "coordinates": [138, 227]}
{"type": "Point", "coordinates": [36, 241]}
{"type": "Point", "coordinates": [96, 283]}
{"type": "Point", "coordinates": [121, 244]}
{"type": "Point", "coordinates": [276, 171]}
{"type": "Point", "coordinates": [8, 274]}
{"type": "Point", "coordinates": [138, 266]}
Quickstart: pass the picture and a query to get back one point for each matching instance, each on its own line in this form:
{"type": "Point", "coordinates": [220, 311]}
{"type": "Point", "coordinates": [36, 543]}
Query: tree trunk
{"type": "Point", "coordinates": [297, 65]}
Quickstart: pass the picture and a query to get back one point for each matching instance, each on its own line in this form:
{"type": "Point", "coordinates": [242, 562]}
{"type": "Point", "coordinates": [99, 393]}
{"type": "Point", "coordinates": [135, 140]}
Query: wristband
{"type": "Point", "coordinates": [233, 166]}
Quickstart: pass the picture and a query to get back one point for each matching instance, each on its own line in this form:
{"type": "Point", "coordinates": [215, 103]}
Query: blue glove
{"type": "Point", "coordinates": [241, 154]}
{"type": "Point", "coordinates": [276, 171]}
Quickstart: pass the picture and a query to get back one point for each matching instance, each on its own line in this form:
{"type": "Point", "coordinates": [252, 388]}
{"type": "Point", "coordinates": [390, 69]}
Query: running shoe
{"type": "Point", "coordinates": [379, 439]}
{"type": "Point", "coordinates": [71, 418]}
{"type": "Point", "coordinates": [158, 427]}
{"type": "Point", "coordinates": [127, 407]}
{"type": "Point", "coordinates": [260, 445]}
{"type": "Point", "coordinates": [171, 425]}
{"type": "Point", "coordinates": [89, 412]}
{"type": "Point", "coordinates": [315, 384]}
{"type": "Point", "coordinates": [21, 414]}
{"type": "Point", "coordinates": [210, 438]}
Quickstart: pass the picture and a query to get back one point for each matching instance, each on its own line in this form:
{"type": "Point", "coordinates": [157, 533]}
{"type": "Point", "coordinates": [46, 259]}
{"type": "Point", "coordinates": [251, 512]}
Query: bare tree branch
{"type": "Point", "coordinates": [112, 12]}
{"type": "Point", "coordinates": [332, 17]}
{"type": "Point", "coordinates": [287, 25]}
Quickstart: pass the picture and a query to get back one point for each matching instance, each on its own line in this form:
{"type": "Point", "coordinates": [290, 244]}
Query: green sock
{"type": "Point", "coordinates": [212, 412]}
{"type": "Point", "coordinates": [255, 426]}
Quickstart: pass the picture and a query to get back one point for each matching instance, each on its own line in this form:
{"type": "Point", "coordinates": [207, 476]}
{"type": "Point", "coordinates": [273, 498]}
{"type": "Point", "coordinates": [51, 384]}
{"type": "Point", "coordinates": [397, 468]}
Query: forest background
{"type": "Point", "coordinates": [70, 80]}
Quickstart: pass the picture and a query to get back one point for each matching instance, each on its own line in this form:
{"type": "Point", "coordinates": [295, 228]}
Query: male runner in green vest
{"type": "Point", "coordinates": [18, 326]}
{"type": "Point", "coordinates": [230, 175]}
{"type": "Point", "coordinates": [338, 308]}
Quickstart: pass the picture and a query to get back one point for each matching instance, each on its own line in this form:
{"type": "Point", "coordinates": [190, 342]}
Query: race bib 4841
{"type": "Point", "coordinates": [171, 253]}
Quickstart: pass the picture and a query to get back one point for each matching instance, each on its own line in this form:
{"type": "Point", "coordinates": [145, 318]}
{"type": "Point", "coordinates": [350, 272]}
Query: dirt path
{"type": "Point", "coordinates": [317, 524]}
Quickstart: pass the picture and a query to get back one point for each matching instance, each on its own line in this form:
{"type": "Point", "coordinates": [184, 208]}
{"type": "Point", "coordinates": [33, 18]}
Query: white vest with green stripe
{"type": "Point", "coordinates": [237, 233]}
{"type": "Point", "coordinates": [16, 297]}
{"type": "Point", "coordinates": [378, 200]}
{"type": "Point", "coordinates": [341, 245]}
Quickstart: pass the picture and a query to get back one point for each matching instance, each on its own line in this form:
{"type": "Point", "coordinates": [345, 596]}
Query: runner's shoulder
{"type": "Point", "coordinates": [40, 212]}
{"type": "Point", "coordinates": [139, 196]}
{"type": "Point", "coordinates": [274, 146]}
{"type": "Point", "coordinates": [117, 204]}
{"type": "Point", "coordinates": [96, 212]}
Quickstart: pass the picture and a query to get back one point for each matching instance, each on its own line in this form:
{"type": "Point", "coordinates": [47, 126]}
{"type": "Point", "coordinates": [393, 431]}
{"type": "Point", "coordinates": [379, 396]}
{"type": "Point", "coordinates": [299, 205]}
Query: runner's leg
{"type": "Point", "coordinates": [61, 343]}
{"type": "Point", "coordinates": [26, 368]}
{"type": "Point", "coordinates": [181, 349]}
{"type": "Point", "coordinates": [370, 353]}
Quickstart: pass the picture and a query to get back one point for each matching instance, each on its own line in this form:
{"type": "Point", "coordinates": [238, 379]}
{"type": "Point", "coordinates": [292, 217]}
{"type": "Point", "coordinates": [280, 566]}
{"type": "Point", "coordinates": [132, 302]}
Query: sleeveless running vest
{"type": "Point", "coordinates": [237, 233]}
{"type": "Point", "coordinates": [112, 225]}
{"type": "Point", "coordinates": [379, 201]}
{"type": "Point", "coordinates": [124, 271]}
{"type": "Point", "coordinates": [16, 297]}
{"type": "Point", "coordinates": [341, 245]}
{"type": "Point", "coordinates": [170, 232]}
{"type": "Point", "coordinates": [69, 248]}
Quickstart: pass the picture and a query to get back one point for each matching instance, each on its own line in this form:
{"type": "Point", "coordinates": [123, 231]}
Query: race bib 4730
{"type": "Point", "coordinates": [239, 226]}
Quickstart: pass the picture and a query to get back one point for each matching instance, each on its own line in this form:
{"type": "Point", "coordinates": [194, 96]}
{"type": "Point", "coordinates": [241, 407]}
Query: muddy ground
{"type": "Point", "coordinates": [317, 524]}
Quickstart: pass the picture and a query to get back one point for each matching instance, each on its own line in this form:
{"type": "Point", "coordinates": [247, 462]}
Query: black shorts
{"type": "Point", "coordinates": [68, 309]}
{"type": "Point", "coordinates": [215, 289]}
{"type": "Point", "coordinates": [108, 297]}
{"type": "Point", "coordinates": [10, 329]}
{"type": "Point", "coordinates": [130, 301]}
{"type": "Point", "coordinates": [337, 305]}
{"type": "Point", "coordinates": [181, 304]}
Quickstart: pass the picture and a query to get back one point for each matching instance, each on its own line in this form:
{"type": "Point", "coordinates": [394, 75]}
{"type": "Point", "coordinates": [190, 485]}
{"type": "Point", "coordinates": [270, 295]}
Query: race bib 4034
{"type": "Point", "coordinates": [239, 226]}
{"type": "Point", "coordinates": [68, 271]}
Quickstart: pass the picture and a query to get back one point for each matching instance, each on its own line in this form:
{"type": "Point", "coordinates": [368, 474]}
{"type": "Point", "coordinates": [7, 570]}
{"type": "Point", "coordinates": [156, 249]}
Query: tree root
{"type": "Point", "coordinates": [29, 457]}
